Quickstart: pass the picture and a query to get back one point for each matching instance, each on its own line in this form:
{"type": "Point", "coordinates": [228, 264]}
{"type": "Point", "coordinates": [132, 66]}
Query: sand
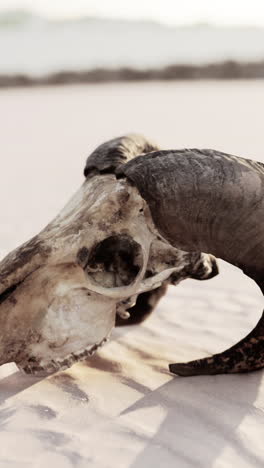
{"type": "Point", "coordinates": [122, 408]}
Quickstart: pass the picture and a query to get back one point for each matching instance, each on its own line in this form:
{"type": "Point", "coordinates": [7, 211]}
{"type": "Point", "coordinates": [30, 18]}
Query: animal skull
{"type": "Point", "coordinates": [60, 292]}
{"type": "Point", "coordinates": [117, 244]}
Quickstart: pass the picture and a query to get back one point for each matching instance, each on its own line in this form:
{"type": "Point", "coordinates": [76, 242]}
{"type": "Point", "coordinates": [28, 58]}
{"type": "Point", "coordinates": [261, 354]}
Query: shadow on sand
{"type": "Point", "coordinates": [202, 417]}
{"type": "Point", "coordinates": [16, 383]}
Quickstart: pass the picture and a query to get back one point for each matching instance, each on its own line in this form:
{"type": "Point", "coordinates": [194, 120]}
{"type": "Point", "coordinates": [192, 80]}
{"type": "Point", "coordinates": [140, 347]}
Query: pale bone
{"type": "Point", "coordinates": [53, 312]}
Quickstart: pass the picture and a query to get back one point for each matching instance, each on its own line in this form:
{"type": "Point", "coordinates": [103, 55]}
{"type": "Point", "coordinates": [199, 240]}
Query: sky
{"type": "Point", "coordinates": [227, 12]}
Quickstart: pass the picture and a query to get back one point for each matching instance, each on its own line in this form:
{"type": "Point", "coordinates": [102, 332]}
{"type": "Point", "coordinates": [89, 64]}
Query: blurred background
{"type": "Point", "coordinates": [143, 39]}
{"type": "Point", "coordinates": [76, 73]}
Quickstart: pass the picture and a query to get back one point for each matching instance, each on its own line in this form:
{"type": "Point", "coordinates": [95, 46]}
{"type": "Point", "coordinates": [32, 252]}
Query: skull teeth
{"type": "Point", "coordinates": [56, 365]}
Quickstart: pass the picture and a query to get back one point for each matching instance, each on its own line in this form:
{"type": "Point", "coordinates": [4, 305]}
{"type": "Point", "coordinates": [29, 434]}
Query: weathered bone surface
{"type": "Point", "coordinates": [213, 202]}
{"type": "Point", "coordinates": [60, 292]}
{"type": "Point", "coordinates": [106, 158]}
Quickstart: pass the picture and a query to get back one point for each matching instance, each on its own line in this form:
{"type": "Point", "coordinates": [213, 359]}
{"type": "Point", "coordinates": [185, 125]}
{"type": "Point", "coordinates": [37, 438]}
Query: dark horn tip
{"type": "Point", "coordinates": [178, 369]}
{"type": "Point", "coordinates": [183, 370]}
{"type": "Point", "coordinates": [188, 369]}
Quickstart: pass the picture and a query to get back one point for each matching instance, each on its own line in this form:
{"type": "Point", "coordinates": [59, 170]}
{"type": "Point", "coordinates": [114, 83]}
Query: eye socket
{"type": "Point", "coordinates": [115, 262]}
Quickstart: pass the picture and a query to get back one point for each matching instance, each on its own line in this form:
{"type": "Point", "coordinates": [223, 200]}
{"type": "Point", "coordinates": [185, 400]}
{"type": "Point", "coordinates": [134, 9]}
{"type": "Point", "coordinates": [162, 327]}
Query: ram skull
{"type": "Point", "coordinates": [60, 292]}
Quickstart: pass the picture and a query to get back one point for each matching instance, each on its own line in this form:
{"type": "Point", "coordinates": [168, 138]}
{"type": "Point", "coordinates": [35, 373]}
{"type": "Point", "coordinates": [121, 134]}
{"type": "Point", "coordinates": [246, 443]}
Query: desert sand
{"type": "Point", "coordinates": [122, 408]}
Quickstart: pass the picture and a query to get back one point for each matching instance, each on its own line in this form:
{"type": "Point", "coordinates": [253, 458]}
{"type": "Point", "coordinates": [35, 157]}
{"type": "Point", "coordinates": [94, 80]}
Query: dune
{"type": "Point", "coordinates": [122, 407]}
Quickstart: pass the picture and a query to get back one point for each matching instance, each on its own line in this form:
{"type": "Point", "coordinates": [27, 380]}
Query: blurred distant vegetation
{"type": "Point", "coordinates": [39, 51]}
{"type": "Point", "coordinates": [228, 70]}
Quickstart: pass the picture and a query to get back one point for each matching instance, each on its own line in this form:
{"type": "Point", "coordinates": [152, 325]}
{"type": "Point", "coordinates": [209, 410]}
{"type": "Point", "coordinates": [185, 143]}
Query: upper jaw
{"type": "Point", "coordinates": [35, 366]}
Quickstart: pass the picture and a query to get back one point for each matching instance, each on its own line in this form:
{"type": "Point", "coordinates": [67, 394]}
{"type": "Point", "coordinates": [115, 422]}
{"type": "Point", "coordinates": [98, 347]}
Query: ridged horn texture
{"type": "Point", "coordinates": [213, 202]}
{"type": "Point", "coordinates": [108, 156]}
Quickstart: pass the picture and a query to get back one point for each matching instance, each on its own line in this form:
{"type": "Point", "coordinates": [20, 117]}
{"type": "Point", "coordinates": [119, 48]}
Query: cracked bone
{"type": "Point", "coordinates": [60, 291]}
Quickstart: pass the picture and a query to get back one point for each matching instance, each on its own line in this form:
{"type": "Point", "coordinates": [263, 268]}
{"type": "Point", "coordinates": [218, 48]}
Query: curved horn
{"type": "Point", "coordinates": [108, 156]}
{"type": "Point", "coordinates": [213, 202]}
